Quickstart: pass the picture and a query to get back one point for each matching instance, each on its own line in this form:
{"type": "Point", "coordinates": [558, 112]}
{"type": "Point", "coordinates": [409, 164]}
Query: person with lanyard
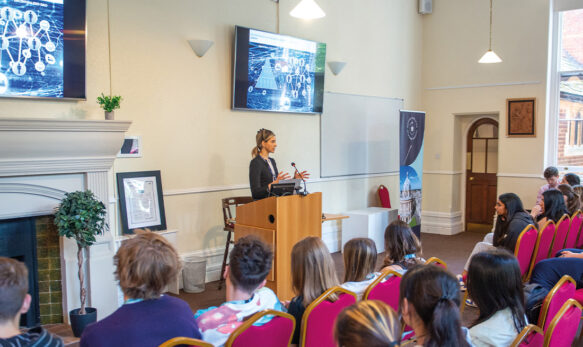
{"type": "Point", "coordinates": [262, 169]}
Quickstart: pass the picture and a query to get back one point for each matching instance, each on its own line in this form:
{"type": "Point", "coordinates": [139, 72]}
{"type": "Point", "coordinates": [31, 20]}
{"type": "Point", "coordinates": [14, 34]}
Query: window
{"type": "Point", "coordinates": [566, 97]}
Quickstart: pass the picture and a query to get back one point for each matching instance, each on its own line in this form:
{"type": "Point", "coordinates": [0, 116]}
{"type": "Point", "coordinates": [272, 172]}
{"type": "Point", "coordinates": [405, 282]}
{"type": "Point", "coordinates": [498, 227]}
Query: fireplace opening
{"type": "Point", "coordinates": [35, 242]}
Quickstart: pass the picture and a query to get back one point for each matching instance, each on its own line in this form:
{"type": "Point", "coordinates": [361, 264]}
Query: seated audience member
{"type": "Point", "coordinates": [579, 190]}
{"type": "Point", "coordinates": [548, 272]}
{"type": "Point", "coordinates": [14, 301]}
{"type": "Point", "coordinates": [429, 303]}
{"type": "Point", "coordinates": [552, 207]}
{"type": "Point", "coordinates": [572, 200]}
{"type": "Point", "coordinates": [368, 323]}
{"type": "Point", "coordinates": [495, 285]}
{"type": "Point", "coordinates": [511, 220]}
{"type": "Point", "coordinates": [145, 264]}
{"type": "Point", "coordinates": [571, 179]}
{"type": "Point", "coordinates": [313, 273]}
{"type": "Point", "coordinates": [249, 263]}
{"type": "Point", "coordinates": [402, 248]}
{"type": "Point", "coordinates": [360, 259]}
{"type": "Point", "coordinates": [551, 174]}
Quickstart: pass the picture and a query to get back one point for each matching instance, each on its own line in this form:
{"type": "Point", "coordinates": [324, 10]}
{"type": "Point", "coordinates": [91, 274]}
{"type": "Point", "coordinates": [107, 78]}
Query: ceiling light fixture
{"type": "Point", "coordinates": [490, 57]}
{"type": "Point", "coordinates": [307, 9]}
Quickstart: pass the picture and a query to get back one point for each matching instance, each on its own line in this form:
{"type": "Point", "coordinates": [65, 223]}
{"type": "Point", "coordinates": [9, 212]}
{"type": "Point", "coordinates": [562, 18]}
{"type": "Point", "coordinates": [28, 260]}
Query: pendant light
{"type": "Point", "coordinates": [307, 9]}
{"type": "Point", "coordinates": [490, 57]}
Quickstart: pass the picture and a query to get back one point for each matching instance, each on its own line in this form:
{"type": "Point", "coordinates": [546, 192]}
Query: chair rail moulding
{"type": "Point", "coordinates": [51, 146]}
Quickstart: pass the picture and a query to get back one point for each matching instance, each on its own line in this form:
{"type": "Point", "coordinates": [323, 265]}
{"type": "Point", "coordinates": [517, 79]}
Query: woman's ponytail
{"type": "Point", "coordinates": [445, 325]}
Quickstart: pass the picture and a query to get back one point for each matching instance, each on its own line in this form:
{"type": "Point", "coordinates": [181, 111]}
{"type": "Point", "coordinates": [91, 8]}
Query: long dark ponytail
{"type": "Point", "coordinates": [435, 295]}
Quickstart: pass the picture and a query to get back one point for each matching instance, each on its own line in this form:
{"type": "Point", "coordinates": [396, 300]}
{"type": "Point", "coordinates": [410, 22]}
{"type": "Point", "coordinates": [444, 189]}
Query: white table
{"type": "Point", "coordinates": [369, 222]}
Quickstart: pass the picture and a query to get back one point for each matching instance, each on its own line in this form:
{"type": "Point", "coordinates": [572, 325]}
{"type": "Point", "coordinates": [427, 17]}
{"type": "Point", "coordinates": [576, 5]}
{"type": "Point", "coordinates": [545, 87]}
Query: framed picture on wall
{"type": "Point", "coordinates": [140, 201]}
{"type": "Point", "coordinates": [520, 117]}
{"type": "Point", "coordinates": [131, 147]}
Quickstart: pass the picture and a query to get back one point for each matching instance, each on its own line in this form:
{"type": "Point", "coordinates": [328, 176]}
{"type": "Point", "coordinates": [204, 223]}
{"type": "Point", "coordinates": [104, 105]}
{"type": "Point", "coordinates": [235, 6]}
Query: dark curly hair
{"type": "Point", "coordinates": [249, 263]}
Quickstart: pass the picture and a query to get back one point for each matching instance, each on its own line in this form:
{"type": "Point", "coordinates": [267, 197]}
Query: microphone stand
{"type": "Point", "coordinates": [302, 177]}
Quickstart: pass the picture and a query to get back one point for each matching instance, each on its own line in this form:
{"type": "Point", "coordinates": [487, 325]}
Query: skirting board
{"type": "Point", "coordinates": [443, 223]}
{"type": "Point", "coordinates": [331, 232]}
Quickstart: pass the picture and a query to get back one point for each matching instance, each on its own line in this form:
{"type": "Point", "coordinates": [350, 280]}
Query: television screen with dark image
{"type": "Point", "coordinates": [278, 73]}
{"type": "Point", "coordinates": [42, 49]}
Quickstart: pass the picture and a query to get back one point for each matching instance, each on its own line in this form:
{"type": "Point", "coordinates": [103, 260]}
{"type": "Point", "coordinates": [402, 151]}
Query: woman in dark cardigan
{"type": "Point", "coordinates": [262, 169]}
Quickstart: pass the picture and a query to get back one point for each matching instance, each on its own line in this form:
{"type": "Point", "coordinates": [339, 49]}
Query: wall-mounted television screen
{"type": "Point", "coordinates": [42, 48]}
{"type": "Point", "coordinates": [278, 73]}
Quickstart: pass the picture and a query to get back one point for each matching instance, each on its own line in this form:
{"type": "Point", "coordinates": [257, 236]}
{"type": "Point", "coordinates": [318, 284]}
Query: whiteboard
{"type": "Point", "coordinates": [359, 135]}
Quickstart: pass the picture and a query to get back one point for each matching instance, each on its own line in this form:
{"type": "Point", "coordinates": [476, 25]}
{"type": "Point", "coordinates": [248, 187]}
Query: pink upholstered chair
{"type": "Point", "coordinates": [576, 221]}
{"type": "Point", "coordinates": [530, 336]}
{"type": "Point", "coordinates": [543, 245]}
{"type": "Point", "coordinates": [579, 296]}
{"type": "Point", "coordinates": [524, 249]}
{"type": "Point", "coordinates": [561, 292]}
{"type": "Point", "coordinates": [385, 288]}
{"type": "Point", "coordinates": [560, 235]}
{"type": "Point", "coordinates": [188, 341]}
{"type": "Point", "coordinates": [436, 261]}
{"type": "Point", "coordinates": [563, 327]}
{"type": "Point", "coordinates": [318, 320]}
{"type": "Point", "coordinates": [384, 196]}
{"type": "Point", "coordinates": [277, 332]}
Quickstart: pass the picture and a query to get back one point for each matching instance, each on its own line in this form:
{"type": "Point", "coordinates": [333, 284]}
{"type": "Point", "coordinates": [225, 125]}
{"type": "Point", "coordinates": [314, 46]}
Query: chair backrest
{"type": "Point", "coordinates": [579, 243]}
{"type": "Point", "coordinates": [229, 203]}
{"type": "Point", "coordinates": [563, 327]}
{"type": "Point", "coordinates": [530, 336]}
{"type": "Point", "coordinates": [524, 249]}
{"type": "Point", "coordinates": [385, 288]}
{"type": "Point", "coordinates": [277, 332]}
{"type": "Point", "coordinates": [177, 341]}
{"type": "Point", "coordinates": [319, 317]}
{"type": "Point", "coordinates": [543, 245]}
{"type": "Point", "coordinates": [384, 196]}
{"type": "Point", "coordinates": [436, 261]}
{"type": "Point", "coordinates": [560, 235]}
{"type": "Point", "coordinates": [574, 229]}
{"type": "Point", "coordinates": [561, 292]}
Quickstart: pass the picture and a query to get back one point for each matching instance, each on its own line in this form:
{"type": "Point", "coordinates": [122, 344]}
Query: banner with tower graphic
{"type": "Point", "coordinates": [412, 129]}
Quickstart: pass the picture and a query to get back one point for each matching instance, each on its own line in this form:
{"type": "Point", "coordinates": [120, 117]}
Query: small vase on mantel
{"type": "Point", "coordinates": [109, 115]}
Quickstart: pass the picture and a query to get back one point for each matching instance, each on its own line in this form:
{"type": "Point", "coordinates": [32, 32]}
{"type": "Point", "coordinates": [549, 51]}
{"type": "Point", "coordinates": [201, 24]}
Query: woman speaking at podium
{"type": "Point", "coordinates": [262, 169]}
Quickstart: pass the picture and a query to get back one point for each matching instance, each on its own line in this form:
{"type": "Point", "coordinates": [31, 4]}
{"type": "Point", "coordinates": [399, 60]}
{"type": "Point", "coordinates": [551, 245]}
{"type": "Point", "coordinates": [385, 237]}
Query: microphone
{"type": "Point", "coordinates": [302, 177]}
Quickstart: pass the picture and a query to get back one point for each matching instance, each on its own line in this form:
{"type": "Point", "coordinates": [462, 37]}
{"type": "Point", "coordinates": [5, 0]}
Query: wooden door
{"type": "Point", "coordinates": [481, 169]}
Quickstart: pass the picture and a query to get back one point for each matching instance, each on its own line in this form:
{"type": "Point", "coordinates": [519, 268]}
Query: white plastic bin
{"type": "Point", "coordinates": [193, 274]}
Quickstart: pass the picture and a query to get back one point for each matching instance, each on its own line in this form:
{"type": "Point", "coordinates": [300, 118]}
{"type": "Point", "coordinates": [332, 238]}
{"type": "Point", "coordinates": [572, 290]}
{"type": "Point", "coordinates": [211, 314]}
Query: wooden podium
{"type": "Point", "coordinates": [281, 222]}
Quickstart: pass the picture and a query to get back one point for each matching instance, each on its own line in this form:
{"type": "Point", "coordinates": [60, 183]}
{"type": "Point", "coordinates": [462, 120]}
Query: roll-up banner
{"type": "Point", "coordinates": [412, 129]}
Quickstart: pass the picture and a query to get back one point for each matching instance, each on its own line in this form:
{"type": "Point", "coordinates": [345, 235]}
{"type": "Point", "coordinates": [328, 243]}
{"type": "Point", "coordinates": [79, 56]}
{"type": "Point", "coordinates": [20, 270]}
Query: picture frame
{"type": "Point", "coordinates": [131, 147]}
{"type": "Point", "coordinates": [520, 115]}
{"type": "Point", "coordinates": [141, 201]}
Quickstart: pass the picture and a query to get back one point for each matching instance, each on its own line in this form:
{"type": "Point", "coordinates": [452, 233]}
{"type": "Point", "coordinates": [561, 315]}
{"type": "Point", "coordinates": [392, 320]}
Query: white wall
{"type": "Point", "coordinates": [455, 36]}
{"type": "Point", "coordinates": [180, 104]}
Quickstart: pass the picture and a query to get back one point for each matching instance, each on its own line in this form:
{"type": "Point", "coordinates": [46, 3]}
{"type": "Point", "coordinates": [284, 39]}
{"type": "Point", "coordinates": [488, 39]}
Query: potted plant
{"type": "Point", "coordinates": [81, 216]}
{"type": "Point", "coordinates": [108, 104]}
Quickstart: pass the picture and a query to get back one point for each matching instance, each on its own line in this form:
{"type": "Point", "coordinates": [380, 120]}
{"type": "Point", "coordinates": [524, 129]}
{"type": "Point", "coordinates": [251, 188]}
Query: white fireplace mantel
{"type": "Point", "coordinates": [40, 161]}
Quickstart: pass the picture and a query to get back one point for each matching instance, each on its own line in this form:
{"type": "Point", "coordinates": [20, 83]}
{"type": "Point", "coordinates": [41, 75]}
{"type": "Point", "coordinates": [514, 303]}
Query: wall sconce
{"type": "Point", "coordinates": [336, 66]}
{"type": "Point", "coordinates": [200, 46]}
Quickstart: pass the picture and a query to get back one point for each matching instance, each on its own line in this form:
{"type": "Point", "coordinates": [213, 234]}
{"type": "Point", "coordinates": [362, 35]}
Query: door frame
{"type": "Point", "coordinates": [479, 120]}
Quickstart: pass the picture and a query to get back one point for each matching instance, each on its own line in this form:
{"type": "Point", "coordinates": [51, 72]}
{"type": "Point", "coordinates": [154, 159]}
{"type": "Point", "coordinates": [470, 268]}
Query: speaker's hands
{"type": "Point", "coordinates": [302, 175]}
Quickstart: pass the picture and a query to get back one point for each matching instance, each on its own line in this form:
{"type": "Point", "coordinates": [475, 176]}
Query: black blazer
{"type": "Point", "coordinates": [260, 177]}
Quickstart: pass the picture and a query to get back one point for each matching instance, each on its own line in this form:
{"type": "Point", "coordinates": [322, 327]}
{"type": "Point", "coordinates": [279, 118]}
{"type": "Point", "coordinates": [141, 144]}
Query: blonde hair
{"type": "Point", "coordinates": [360, 259]}
{"type": "Point", "coordinates": [312, 269]}
{"type": "Point", "coordinates": [262, 135]}
{"type": "Point", "coordinates": [369, 323]}
{"type": "Point", "coordinates": [145, 264]}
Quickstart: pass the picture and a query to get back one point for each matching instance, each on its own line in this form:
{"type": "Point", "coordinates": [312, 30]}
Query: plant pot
{"type": "Point", "coordinates": [109, 115]}
{"type": "Point", "coordinates": [80, 321]}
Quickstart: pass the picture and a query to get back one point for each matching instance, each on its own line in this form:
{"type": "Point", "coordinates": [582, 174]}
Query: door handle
{"type": "Point", "coordinates": [471, 178]}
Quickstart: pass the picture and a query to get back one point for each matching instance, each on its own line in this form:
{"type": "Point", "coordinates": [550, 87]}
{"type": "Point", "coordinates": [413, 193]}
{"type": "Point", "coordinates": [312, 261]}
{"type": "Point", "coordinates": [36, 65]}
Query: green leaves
{"type": "Point", "coordinates": [109, 103]}
{"type": "Point", "coordinates": [80, 216]}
